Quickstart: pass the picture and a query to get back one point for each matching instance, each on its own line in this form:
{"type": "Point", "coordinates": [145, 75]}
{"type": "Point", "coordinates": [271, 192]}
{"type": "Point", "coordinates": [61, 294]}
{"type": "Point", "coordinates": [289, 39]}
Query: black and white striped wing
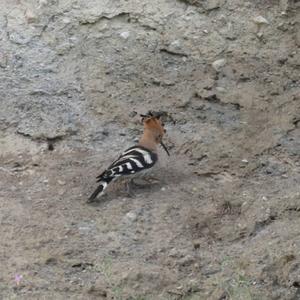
{"type": "Point", "coordinates": [131, 161]}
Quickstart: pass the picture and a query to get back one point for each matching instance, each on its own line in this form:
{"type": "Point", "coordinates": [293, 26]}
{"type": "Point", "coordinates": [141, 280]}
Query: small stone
{"type": "Point", "coordinates": [125, 35]}
{"type": "Point", "coordinates": [131, 216]}
{"type": "Point", "coordinates": [220, 89]}
{"type": "Point", "coordinates": [260, 20]}
{"type": "Point", "coordinates": [219, 64]}
{"type": "Point", "coordinates": [196, 244]}
{"type": "Point", "coordinates": [66, 20]}
{"type": "Point", "coordinates": [61, 182]}
{"type": "Point", "coordinates": [245, 161]}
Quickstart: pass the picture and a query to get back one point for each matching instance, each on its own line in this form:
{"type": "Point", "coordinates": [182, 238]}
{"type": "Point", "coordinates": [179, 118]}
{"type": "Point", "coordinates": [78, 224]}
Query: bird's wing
{"type": "Point", "coordinates": [134, 159]}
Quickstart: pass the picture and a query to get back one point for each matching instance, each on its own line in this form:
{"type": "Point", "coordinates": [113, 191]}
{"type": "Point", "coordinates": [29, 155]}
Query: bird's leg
{"type": "Point", "coordinates": [128, 187]}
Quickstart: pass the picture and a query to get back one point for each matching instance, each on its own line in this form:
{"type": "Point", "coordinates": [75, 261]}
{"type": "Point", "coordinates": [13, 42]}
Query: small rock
{"type": "Point", "coordinates": [125, 35]}
{"type": "Point", "coordinates": [175, 44]}
{"type": "Point", "coordinates": [260, 20]}
{"type": "Point", "coordinates": [66, 20]}
{"type": "Point", "coordinates": [176, 47]}
{"type": "Point", "coordinates": [131, 216]}
{"type": "Point", "coordinates": [132, 114]}
{"type": "Point", "coordinates": [283, 26]}
{"type": "Point", "coordinates": [196, 244]}
{"type": "Point", "coordinates": [51, 261]}
{"type": "Point", "coordinates": [220, 89]}
{"type": "Point", "coordinates": [61, 182]}
{"type": "Point", "coordinates": [219, 64]}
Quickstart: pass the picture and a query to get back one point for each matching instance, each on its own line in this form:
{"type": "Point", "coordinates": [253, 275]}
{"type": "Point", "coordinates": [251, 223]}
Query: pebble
{"type": "Point", "coordinates": [66, 20]}
{"type": "Point", "coordinates": [220, 89]}
{"type": "Point", "coordinates": [131, 216]}
{"type": "Point", "coordinates": [219, 64]}
{"type": "Point", "coordinates": [125, 35]}
{"type": "Point", "coordinates": [260, 20]}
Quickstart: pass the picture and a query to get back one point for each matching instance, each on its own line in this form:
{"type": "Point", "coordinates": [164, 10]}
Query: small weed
{"type": "Point", "coordinates": [105, 268]}
{"type": "Point", "coordinates": [239, 286]}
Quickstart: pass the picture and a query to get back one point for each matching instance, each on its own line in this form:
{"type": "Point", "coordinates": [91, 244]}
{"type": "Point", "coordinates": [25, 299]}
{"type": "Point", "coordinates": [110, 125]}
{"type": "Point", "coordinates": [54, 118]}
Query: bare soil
{"type": "Point", "coordinates": [223, 219]}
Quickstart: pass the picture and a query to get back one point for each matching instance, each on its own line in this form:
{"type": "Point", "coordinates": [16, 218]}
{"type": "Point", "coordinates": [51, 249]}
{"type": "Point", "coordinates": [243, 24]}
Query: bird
{"type": "Point", "coordinates": [138, 159]}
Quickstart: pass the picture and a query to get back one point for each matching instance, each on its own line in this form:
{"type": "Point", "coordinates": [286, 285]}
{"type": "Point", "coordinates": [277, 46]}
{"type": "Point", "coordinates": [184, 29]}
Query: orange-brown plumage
{"type": "Point", "coordinates": [153, 133]}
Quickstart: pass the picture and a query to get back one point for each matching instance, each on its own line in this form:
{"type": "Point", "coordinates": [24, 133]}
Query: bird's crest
{"type": "Point", "coordinates": [153, 121]}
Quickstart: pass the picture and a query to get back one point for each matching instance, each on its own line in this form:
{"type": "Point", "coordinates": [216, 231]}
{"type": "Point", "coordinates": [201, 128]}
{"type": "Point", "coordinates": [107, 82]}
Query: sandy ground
{"type": "Point", "coordinates": [223, 219]}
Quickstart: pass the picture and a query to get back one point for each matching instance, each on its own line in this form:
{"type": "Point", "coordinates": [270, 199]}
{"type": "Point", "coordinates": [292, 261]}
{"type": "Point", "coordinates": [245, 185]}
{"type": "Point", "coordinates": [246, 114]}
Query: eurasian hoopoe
{"type": "Point", "coordinates": [138, 158]}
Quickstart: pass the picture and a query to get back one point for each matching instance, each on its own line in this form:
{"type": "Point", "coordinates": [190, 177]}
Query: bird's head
{"type": "Point", "coordinates": [153, 124]}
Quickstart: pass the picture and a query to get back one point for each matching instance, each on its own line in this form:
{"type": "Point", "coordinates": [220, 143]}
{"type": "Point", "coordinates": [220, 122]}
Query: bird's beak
{"type": "Point", "coordinates": [165, 148]}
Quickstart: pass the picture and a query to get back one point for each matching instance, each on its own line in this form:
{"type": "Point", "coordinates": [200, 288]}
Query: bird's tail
{"type": "Point", "coordinates": [103, 183]}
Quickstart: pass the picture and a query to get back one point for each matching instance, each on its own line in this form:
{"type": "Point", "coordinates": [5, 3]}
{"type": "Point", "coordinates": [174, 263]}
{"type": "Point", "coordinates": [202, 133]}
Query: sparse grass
{"type": "Point", "coordinates": [105, 268]}
{"type": "Point", "coordinates": [239, 286]}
